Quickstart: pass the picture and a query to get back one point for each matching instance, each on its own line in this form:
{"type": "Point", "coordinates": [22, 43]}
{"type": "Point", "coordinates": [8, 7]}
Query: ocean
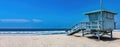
{"type": "Point", "coordinates": [33, 31]}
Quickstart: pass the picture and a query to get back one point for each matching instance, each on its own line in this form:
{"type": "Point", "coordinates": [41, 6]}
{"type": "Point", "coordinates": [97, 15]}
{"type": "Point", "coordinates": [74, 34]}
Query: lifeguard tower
{"type": "Point", "coordinates": [98, 24]}
{"type": "Point", "coordinates": [104, 21]}
{"type": "Point", "coordinates": [101, 22]}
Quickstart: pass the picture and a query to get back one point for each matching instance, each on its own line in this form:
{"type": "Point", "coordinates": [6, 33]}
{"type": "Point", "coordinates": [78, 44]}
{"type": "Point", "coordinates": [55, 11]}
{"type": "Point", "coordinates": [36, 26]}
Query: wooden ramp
{"type": "Point", "coordinates": [71, 33]}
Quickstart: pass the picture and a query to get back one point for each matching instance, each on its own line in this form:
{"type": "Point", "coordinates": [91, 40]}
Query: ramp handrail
{"type": "Point", "coordinates": [87, 25]}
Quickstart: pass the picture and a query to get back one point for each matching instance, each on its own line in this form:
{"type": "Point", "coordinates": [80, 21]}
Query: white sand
{"type": "Point", "coordinates": [56, 41]}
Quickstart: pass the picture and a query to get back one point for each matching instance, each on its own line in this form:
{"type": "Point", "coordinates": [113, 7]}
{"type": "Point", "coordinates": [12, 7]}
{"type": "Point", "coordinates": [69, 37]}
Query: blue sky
{"type": "Point", "coordinates": [50, 13]}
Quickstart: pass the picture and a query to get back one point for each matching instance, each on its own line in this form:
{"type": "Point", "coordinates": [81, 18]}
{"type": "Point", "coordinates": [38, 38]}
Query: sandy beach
{"type": "Point", "coordinates": [58, 41]}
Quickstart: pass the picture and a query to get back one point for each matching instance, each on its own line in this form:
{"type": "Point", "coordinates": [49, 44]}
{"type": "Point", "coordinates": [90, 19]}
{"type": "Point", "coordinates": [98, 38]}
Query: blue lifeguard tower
{"type": "Point", "coordinates": [98, 24]}
{"type": "Point", "coordinates": [101, 22]}
{"type": "Point", "coordinates": [104, 21]}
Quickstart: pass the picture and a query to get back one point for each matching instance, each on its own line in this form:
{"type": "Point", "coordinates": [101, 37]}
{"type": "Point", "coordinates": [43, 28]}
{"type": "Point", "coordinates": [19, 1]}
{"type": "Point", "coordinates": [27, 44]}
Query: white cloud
{"type": "Point", "coordinates": [14, 20]}
{"type": "Point", "coordinates": [20, 20]}
{"type": "Point", "coordinates": [36, 20]}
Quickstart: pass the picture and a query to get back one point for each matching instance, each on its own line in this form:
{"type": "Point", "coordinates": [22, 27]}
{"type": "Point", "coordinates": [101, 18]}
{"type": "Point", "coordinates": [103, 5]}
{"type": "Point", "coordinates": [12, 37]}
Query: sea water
{"type": "Point", "coordinates": [34, 32]}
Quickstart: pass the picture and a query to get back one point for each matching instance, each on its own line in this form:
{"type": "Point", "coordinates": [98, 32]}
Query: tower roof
{"type": "Point", "coordinates": [98, 11]}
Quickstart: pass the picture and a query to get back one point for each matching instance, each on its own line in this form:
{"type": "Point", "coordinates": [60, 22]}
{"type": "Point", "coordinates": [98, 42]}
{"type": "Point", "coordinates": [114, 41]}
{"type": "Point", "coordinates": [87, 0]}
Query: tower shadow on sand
{"type": "Point", "coordinates": [104, 38]}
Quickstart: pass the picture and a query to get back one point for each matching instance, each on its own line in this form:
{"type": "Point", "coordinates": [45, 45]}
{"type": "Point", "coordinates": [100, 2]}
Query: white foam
{"type": "Point", "coordinates": [117, 30]}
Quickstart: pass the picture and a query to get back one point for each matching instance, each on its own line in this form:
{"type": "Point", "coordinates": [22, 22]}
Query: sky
{"type": "Point", "coordinates": [50, 13]}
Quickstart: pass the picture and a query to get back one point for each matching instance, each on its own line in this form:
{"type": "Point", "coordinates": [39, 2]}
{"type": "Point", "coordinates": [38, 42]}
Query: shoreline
{"type": "Point", "coordinates": [35, 33]}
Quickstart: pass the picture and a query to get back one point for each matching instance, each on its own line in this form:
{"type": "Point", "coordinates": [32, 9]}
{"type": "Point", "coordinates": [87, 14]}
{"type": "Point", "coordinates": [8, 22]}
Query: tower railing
{"type": "Point", "coordinates": [94, 25]}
